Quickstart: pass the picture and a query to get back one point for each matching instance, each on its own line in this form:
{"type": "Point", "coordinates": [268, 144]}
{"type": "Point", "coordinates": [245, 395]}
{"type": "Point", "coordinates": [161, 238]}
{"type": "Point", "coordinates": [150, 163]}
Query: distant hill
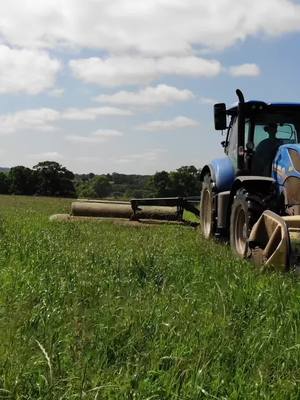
{"type": "Point", "coordinates": [4, 169]}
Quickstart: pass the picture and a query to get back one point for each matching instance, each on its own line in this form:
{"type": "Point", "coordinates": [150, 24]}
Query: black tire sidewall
{"type": "Point", "coordinates": [207, 186]}
{"type": "Point", "coordinates": [239, 203]}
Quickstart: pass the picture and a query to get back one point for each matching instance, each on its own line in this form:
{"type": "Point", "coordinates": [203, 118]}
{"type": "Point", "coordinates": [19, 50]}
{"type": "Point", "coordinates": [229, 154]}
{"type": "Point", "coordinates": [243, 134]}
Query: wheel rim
{"type": "Point", "coordinates": [206, 213]}
{"type": "Point", "coordinates": [240, 232]}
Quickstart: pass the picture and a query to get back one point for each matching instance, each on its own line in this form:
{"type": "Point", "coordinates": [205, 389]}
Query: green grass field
{"type": "Point", "coordinates": [101, 311]}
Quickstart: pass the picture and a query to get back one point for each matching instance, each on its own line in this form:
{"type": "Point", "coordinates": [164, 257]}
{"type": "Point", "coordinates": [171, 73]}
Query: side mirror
{"type": "Point", "coordinates": [220, 116]}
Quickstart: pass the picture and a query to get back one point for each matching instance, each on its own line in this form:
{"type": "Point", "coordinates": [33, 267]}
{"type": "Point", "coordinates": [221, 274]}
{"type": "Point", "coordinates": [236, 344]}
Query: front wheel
{"type": "Point", "coordinates": [207, 217]}
{"type": "Point", "coordinates": [245, 211]}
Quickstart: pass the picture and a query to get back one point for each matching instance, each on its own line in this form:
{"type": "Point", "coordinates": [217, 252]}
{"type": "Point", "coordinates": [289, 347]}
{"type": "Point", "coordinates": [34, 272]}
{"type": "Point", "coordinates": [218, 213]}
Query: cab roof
{"type": "Point", "coordinates": [261, 105]}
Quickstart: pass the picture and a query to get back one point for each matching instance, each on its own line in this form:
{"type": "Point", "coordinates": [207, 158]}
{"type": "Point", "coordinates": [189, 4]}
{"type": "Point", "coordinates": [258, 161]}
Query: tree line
{"type": "Point", "coordinates": [49, 178]}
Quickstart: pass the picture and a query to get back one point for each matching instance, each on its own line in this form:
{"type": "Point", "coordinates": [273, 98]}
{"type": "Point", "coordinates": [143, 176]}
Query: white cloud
{"type": "Point", "coordinates": [143, 40]}
{"type": "Point", "coordinates": [93, 113]}
{"type": "Point", "coordinates": [149, 96]}
{"type": "Point", "coordinates": [57, 92]}
{"type": "Point", "coordinates": [44, 119]}
{"type": "Point", "coordinates": [49, 155]}
{"type": "Point", "coordinates": [40, 119]}
{"type": "Point", "coordinates": [127, 70]}
{"type": "Point", "coordinates": [148, 27]}
{"type": "Point", "coordinates": [169, 125]}
{"type": "Point", "coordinates": [244, 70]}
{"type": "Point", "coordinates": [28, 71]}
{"type": "Point", "coordinates": [149, 155]}
{"type": "Point", "coordinates": [208, 100]}
{"type": "Point", "coordinates": [99, 136]}
{"type": "Point", "coordinates": [106, 133]}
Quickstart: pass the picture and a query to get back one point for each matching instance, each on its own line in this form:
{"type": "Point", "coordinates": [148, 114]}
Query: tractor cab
{"type": "Point", "coordinates": [255, 132]}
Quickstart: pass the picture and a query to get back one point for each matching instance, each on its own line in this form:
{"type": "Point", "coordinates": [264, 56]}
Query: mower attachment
{"type": "Point", "coordinates": [275, 241]}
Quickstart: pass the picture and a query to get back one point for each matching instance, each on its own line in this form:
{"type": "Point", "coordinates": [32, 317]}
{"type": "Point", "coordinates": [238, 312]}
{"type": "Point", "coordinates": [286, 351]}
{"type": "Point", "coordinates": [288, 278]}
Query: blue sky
{"type": "Point", "coordinates": [128, 86]}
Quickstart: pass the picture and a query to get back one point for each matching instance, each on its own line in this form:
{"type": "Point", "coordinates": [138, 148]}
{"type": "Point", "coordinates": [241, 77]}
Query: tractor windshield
{"type": "Point", "coordinates": [266, 131]}
{"type": "Point", "coordinates": [282, 128]}
{"type": "Point", "coordinates": [285, 133]}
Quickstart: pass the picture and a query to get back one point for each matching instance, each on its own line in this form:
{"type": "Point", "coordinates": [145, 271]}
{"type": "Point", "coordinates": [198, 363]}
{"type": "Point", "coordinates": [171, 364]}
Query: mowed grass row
{"type": "Point", "coordinates": [101, 311]}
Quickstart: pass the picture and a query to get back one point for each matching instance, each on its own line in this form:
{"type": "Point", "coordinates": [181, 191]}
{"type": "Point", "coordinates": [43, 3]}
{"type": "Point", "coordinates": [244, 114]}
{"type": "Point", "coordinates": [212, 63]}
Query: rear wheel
{"type": "Point", "coordinates": [207, 215]}
{"type": "Point", "coordinates": [245, 211]}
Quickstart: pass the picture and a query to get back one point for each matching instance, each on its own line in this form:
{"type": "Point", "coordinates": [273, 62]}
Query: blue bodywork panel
{"type": "Point", "coordinates": [283, 167]}
{"type": "Point", "coordinates": [223, 173]}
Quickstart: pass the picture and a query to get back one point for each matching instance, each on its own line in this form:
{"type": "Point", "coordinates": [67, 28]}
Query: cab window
{"type": "Point", "coordinates": [286, 133]}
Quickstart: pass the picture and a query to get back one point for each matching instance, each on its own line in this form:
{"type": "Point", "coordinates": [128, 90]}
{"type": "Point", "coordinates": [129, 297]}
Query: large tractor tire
{"type": "Point", "coordinates": [245, 211]}
{"type": "Point", "coordinates": [207, 213]}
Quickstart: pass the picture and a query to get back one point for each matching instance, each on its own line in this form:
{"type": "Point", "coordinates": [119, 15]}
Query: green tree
{"type": "Point", "coordinates": [4, 183]}
{"type": "Point", "coordinates": [162, 184]}
{"type": "Point", "coordinates": [54, 179]}
{"type": "Point", "coordinates": [22, 180]}
{"type": "Point", "coordinates": [85, 190]}
{"type": "Point", "coordinates": [101, 185]}
{"type": "Point", "coordinates": [185, 181]}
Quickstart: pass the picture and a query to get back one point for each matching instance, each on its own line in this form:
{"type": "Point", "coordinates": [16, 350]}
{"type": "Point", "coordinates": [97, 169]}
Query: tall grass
{"type": "Point", "coordinates": [101, 311]}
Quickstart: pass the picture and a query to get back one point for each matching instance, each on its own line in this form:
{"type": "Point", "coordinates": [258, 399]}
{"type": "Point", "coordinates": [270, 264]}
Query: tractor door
{"type": "Point", "coordinates": [231, 147]}
{"type": "Point", "coordinates": [235, 148]}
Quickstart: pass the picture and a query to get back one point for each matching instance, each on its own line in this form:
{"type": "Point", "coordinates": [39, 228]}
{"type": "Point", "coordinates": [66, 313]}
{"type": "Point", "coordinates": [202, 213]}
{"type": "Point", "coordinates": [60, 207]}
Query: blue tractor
{"type": "Point", "coordinates": [251, 196]}
{"type": "Point", "coordinates": [260, 171]}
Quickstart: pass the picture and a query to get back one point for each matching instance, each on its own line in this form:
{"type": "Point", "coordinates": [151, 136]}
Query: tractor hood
{"type": "Point", "coordinates": [286, 163]}
{"type": "Point", "coordinates": [286, 172]}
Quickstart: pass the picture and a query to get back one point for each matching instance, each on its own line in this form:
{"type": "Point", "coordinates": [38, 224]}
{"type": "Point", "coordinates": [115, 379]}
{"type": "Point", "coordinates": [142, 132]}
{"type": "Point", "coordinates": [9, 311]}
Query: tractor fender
{"type": "Point", "coordinates": [258, 184]}
{"type": "Point", "coordinates": [222, 173]}
{"type": "Point", "coordinates": [261, 184]}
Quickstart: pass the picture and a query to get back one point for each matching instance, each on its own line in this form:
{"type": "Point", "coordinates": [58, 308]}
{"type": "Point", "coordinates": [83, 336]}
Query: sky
{"type": "Point", "coordinates": [129, 85]}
